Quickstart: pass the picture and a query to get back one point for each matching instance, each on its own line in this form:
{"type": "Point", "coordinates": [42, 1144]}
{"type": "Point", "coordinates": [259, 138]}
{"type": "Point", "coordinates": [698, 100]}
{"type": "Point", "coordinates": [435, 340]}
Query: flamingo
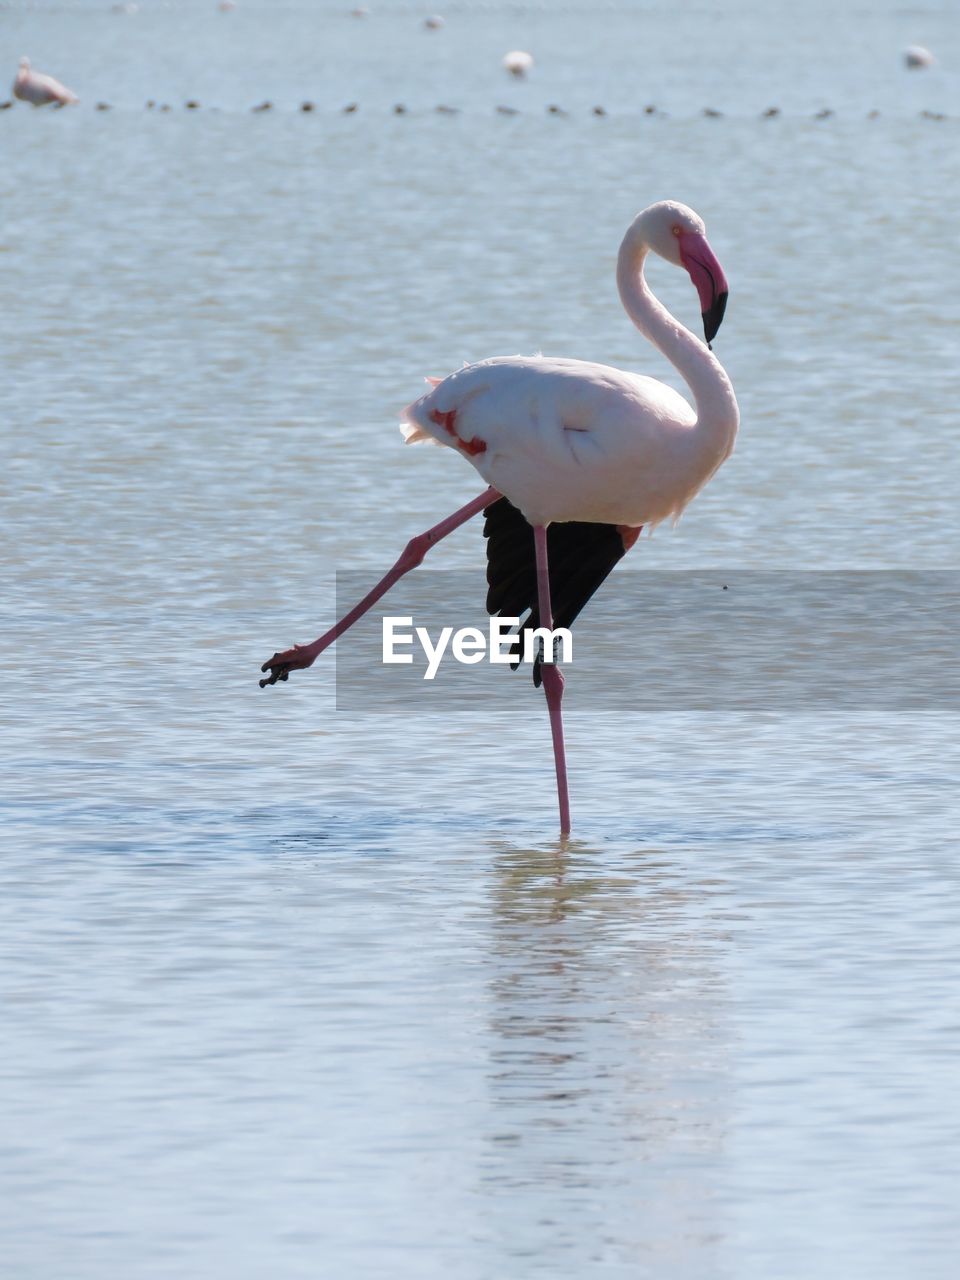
{"type": "Point", "coordinates": [31, 86]}
{"type": "Point", "coordinates": [916, 57]}
{"type": "Point", "coordinates": [518, 63]}
{"type": "Point", "coordinates": [577, 457]}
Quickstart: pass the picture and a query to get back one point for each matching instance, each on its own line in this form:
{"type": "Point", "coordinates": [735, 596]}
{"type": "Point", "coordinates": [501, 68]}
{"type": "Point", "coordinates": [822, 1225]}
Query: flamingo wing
{"type": "Point", "coordinates": [580, 555]}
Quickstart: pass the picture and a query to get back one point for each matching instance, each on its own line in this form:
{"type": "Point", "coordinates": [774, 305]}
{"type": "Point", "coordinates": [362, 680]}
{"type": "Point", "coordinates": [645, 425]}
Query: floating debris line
{"type": "Point", "coordinates": [554, 109]}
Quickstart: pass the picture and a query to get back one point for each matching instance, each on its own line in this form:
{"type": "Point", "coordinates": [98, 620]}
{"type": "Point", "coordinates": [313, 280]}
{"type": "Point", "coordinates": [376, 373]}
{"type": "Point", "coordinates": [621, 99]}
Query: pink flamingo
{"type": "Point", "coordinates": [584, 451]}
{"type": "Point", "coordinates": [915, 56]}
{"type": "Point", "coordinates": [518, 62]}
{"type": "Point", "coordinates": [31, 86]}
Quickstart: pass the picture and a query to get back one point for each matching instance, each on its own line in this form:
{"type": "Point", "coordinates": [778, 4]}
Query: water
{"type": "Point", "coordinates": [297, 991]}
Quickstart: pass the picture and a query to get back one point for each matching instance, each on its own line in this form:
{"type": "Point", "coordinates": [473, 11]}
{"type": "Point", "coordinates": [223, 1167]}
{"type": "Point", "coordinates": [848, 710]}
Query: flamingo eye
{"type": "Point", "coordinates": [677, 230]}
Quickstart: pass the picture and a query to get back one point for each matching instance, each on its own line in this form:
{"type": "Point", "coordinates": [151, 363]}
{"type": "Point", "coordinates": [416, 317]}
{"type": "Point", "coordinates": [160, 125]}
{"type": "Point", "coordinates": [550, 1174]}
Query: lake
{"type": "Point", "coordinates": [298, 985]}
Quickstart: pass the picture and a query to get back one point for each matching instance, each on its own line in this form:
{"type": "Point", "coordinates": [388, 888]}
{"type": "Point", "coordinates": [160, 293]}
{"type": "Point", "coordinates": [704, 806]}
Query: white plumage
{"type": "Point", "coordinates": [572, 440]}
{"type": "Point", "coordinates": [518, 62]}
{"type": "Point", "coordinates": [32, 86]}
{"type": "Point", "coordinates": [564, 439]}
{"type": "Point", "coordinates": [915, 56]}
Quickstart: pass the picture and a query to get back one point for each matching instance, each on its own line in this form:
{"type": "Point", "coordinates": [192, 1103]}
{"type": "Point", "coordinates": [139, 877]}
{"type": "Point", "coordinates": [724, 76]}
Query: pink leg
{"type": "Point", "coordinates": [552, 678]}
{"type": "Point", "coordinates": [304, 655]}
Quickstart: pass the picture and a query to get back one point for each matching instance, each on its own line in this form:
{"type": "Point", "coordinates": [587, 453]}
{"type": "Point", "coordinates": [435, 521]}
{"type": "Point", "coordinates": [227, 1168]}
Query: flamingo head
{"type": "Point", "coordinates": [24, 63]}
{"type": "Point", "coordinates": [679, 235]}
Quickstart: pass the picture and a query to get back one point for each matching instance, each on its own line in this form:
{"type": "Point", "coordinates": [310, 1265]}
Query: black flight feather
{"type": "Point", "coordinates": [580, 556]}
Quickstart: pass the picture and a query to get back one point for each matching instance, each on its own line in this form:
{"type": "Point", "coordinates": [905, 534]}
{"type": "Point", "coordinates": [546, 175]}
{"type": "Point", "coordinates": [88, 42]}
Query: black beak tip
{"type": "Point", "coordinates": [713, 318]}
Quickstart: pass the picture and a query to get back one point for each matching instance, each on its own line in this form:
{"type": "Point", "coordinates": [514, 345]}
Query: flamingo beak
{"type": "Point", "coordinates": [707, 274]}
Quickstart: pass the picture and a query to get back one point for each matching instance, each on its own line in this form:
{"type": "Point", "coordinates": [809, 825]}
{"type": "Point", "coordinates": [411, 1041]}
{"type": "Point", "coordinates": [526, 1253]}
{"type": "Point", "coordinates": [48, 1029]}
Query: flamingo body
{"type": "Point", "coordinates": [32, 86]}
{"type": "Point", "coordinates": [915, 56]}
{"type": "Point", "coordinates": [518, 62]}
{"type": "Point", "coordinates": [567, 439]}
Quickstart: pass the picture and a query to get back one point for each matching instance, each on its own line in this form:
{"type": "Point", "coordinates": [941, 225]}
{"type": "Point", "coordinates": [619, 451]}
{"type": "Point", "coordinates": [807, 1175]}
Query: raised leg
{"type": "Point", "coordinates": [304, 655]}
{"type": "Point", "coordinates": [552, 678]}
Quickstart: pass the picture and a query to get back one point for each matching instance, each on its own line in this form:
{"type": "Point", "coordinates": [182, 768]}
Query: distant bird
{"type": "Point", "coordinates": [578, 456]}
{"type": "Point", "coordinates": [507, 111]}
{"type": "Point", "coordinates": [103, 106]}
{"type": "Point", "coordinates": [823, 114]}
{"type": "Point", "coordinates": [915, 56]}
{"type": "Point", "coordinates": [433, 23]}
{"type": "Point", "coordinates": [554, 110]}
{"type": "Point", "coordinates": [263, 106]}
{"type": "Point", "coordinates": [192, 105]}
{"type": "Point", "coordinates": [306, 106]}
{"type": "Point", "coordinates": [443, 110]}
{"type": "Point", "coordinates": [518, 63]}
{"type": "Point", "coordinates": [771, 113]}
{"type": "Point", "coordinates": [227, 6]}
{"type": "Point", "coordinates": [599, 111]}
{"type": "Point", "coordinates": [350, 108]}
{"type": "Point", "coordinates": [711, 113]}
{"type": "Point", "coordinates": [31, 86]}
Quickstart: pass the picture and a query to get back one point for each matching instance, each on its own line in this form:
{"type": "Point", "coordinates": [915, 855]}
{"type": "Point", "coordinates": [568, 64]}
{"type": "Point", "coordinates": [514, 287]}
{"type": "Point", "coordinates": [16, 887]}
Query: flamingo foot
{"type": "Point", "coordinates": [304, 655]}
{"type": "Point", "coordinates": [281, 664]}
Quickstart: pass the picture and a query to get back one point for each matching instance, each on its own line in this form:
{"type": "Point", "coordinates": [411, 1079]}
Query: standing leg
{"type": "Point", "coordinates": [552, 678]}
{"type": "Point", "coordinates": [304, 655]}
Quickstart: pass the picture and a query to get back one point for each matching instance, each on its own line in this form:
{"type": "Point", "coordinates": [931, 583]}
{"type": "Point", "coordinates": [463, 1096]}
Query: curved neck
{"type": "Point", "coordinates": [717, 414]}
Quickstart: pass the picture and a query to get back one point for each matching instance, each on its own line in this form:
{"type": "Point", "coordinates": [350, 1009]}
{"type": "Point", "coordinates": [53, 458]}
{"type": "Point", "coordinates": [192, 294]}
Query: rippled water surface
{"type": "Point", "coordinates": [294, 988]}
